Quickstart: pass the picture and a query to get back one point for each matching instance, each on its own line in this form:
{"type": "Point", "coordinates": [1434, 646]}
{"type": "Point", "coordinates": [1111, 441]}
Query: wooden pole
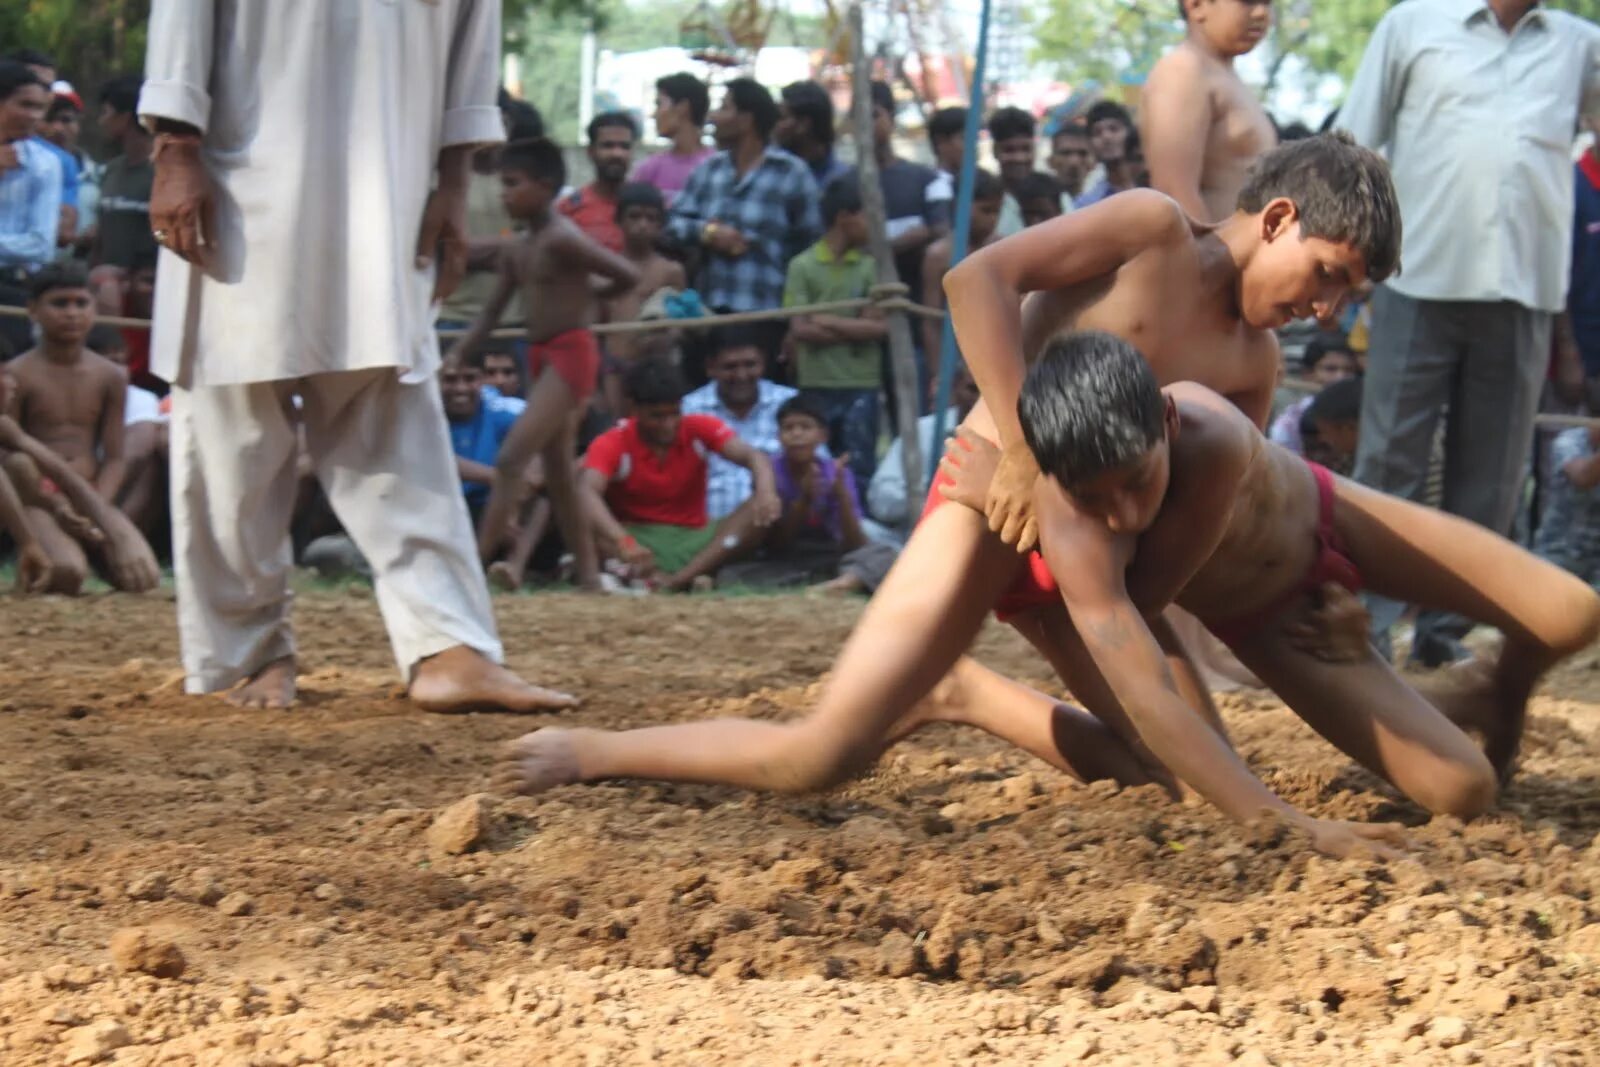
{"type": "Point", "coordinates": [902, 356]}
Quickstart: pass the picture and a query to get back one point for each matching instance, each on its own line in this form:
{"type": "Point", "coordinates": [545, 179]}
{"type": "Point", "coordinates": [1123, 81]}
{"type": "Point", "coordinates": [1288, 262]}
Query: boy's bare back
{"type": "Point", "coordinates": [65, 406]}
{"type": "Point", "coordinates": [545, 266]}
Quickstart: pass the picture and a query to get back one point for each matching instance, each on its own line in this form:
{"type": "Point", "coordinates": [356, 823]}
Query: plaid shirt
{"type": "Point", "coordinates": [774, 206]}
{"type": "Point", "coordinates": [1569, 529]}
{"type": "Point", "coordinates": [728, 485]}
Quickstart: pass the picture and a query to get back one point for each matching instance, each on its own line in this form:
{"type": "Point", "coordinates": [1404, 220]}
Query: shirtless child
{"type": "Point", "coordinates": [1203, 301]}
{"type": "Point", "coordinates": [641, 213]}
{"type": "Point", "coordinates": [1201, 126]}
{"type": "Point", "coordinates": [988, 196]}
{"type": "Point", "coordinates": [70, 401]}
{"type": "Point", "coordinates": [553, 265]}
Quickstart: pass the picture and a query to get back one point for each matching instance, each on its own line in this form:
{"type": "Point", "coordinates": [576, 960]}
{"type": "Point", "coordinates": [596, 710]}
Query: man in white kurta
{"type": "Point", "coordinates": [302, 146]}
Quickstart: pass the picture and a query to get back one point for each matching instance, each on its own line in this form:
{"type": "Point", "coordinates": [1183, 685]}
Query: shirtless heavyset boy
{"type": "Point", "coordinates": [553, 267]}
{"type": "Point", "coordinates": [1316, 219]}
{"type": "Point", "coordinates": [1202, 128]}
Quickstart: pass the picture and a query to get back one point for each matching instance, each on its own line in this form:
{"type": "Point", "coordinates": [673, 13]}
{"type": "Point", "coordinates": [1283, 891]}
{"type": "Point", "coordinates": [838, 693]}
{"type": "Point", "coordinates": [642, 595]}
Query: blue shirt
{"type": "Point", "coordinates": [1583, 295]}
{"type": "Point", "coordinates": [479, 440]}
{"type": "Point", "coordinates": [1095, 194]}
{"type": "Point", "coordinates": [30, 208]}
{"type": "Point", "coordinates": [69, 171]}
{"type": "Point", "coordinates": [774, 205]}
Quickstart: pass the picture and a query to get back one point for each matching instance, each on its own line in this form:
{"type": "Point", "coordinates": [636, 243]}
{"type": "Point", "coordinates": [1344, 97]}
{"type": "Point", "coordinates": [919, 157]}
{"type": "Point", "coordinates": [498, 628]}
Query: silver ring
{"type": "Point", "coordinates": [160, 236]}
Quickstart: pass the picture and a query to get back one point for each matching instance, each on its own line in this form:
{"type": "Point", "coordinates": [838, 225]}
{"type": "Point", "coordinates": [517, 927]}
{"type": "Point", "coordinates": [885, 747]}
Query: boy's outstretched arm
{"type": "Point", "coordinates": [489, 318]}
{"type": "Point", "coordinates": [984, 294]}
{"type": "Point", "coordinates": [1119, 640]}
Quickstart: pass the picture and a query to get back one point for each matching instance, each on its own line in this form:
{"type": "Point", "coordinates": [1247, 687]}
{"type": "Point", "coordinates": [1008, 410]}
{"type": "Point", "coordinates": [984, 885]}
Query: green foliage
{"type": "Point", "coordinates": [90, 40]}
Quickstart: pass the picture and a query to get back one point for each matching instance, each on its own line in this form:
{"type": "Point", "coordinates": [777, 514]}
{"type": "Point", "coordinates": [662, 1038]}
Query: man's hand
{"type": "Point", "coordinates": [767, 506]}
{"type": "Point", "coordinates": [35, 572]}
{"type": "Point", "coordinates": [183, 206]}
{"type": "Point", "coordinates": [444, 235]}
{"type": "Point", "coordinates": [969, 462]}
{"type": "Point", "coordinates": [638, 558]}
{"type": "Point", "coordinates": [1337, 630]}
{"type": "Point", "coordinates": [725, 240]}
{"type": "Point", "coordinates": [9, 159]}
{"type": "Point", "coordinates": [1010, 503]}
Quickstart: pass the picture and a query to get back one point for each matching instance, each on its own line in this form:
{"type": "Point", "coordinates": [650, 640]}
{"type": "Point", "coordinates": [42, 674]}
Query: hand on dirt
{"type": "Point", "coordinates": [35, 572]}
{"type": "Point", "coordinates": [1356, 840]}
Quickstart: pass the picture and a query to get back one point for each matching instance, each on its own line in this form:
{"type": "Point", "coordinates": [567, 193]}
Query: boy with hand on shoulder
{"type": "Point", "coordinates": [552, 265]}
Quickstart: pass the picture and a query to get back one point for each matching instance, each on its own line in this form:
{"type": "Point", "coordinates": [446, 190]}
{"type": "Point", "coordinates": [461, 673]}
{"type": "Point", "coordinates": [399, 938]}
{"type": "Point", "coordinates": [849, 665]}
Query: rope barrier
{"type": "Point", "coordinates": [1543, 420]}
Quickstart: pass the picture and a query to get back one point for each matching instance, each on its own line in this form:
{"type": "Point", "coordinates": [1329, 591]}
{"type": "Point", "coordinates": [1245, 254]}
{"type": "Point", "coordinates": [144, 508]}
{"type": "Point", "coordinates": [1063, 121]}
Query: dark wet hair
{"type": "Point", "coordinates": [842, 194]}
{"type": "Point", "coordinates": [752, 98]}
{"type": "Point", "coordinates": [56, 276]}
{"type": "Point", "coordinates": [810, 101]}
{"type": "Point", "coordinates": [803, 405]}
{"type": "Point", "coordinates": [538, 158]}
{"type": "Point", "coordinates": [620, 120]}
{"type": "Point", "coordinates": [1101, 110]}
{"type": "Point", "coordinates": [1090, 404]}
{"type": "Point", "coordinates": [683, 87]}
{"type": "Point", "coordinates": [14, 76]}
{"type": "Point", "coordinates": [640, 194]}
{"type": "Point", "coordinates": [1006, 123]}
{"type": "Point", "coordinates": [1076, 128]}
{"type": "Point", "coordinates": [122, 94]}
{"type": "Point", "coordinates": [653, 380]}
{"type": "Point", "coordinates": [1342, 191]}
{"type": "Point", "coordinates": [1338, 402]}
{"type": "Point", "coordinates": [946, 122]}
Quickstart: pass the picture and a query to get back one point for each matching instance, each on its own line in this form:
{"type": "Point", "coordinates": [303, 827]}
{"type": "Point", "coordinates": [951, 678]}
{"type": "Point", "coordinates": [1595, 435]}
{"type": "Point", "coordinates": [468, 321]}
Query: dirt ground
{"type": "Point", "coordinates": [964, 904]}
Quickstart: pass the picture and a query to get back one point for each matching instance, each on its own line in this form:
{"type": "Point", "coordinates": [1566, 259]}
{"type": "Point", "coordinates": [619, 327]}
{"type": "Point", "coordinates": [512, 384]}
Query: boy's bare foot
{"type": "Point", "coordinates": [504, 577]}
{"type": "Point", "coordinates": [538, 761]}
{"type": "Point", "coordinates": [844, 585]}
{"type": "Point", "coordinates": [461, 679]}
{"type": "Point", "coordinates": [1469, 694]}
{"type": "Point", "coordinates": [273, 686]}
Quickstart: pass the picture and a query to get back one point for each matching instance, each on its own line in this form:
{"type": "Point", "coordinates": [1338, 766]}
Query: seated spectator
{"type": "Point", "coordinates": [1327, 359]}
{"type": "Point", "coordinates": [838, 357]}
{"type": "Point", "coordinates": [503, 385]}
{"type": "Point", "coordinates": [987, 198]}
{"type": "Point", "coordinates": [142, 497]}
{"type": "Point", "coordinates": [887, 499]}
{"type": "Point", "coordinates": [30, 195]}
{"type": "Point", "coordinates": [641, 215]}
{"type": "Point", "coordinates": [748, 402]}
{"type": "Point", "coordinates": [1569, 529]}
{"type": "Point", "coordinates": [644, 482]}
{"type": "Point", "coordinates": [820, 530]}
{"type": "Point", "coordinates": [682, 101]}
{"type": "Point", "coordinates": [1038, 198]}
{"type": "Point", "coordinates": [1332, 426]}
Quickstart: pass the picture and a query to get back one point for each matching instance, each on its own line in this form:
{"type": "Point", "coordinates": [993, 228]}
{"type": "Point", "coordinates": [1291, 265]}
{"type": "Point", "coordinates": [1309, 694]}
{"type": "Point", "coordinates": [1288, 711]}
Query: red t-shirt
{"type": "Point", "coordinates": [645, 487]}
{"type": "Point", "coordinates": [594, 215]}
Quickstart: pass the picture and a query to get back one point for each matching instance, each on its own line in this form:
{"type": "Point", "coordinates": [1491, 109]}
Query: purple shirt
{"type": "Point", "coordinates": [825, 517]}
{"type": "Point", "coordinates": [669, 171]}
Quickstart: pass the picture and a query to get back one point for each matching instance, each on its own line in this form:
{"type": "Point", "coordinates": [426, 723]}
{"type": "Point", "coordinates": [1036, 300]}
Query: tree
{"type": "Point", "coordinates": [91, 41]}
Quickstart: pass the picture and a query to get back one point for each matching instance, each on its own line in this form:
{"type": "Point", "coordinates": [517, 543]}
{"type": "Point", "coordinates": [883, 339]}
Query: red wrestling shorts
{"type": "Point", "coordinates": [1033, 587]}
{"type": "Point", "coordinates": [1330, 564]}
{"type": "Point", "coordinates": [573, 355]}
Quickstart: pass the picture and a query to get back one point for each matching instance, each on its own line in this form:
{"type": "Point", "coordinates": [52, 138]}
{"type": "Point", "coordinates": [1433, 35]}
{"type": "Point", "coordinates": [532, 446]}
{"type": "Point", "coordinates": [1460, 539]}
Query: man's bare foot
{"type": "Point", "coordinates": [273, 686]}
{"type": "Point", "coordinates": [504, 577]}
{"type": "Point", "coordinates": [541, 760]}
{"type": "Point", "coordinates": [461, 679]}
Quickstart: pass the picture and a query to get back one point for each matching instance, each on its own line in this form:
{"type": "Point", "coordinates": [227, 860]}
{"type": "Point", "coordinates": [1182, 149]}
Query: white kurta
{"type": "Point", "coordinates": [322, 120]}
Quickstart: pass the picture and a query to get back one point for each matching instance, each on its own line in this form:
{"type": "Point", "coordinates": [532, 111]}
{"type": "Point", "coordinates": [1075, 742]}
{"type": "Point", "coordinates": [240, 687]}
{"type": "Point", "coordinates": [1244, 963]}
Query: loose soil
{"type": "Point", "coordinates": [962, 904]}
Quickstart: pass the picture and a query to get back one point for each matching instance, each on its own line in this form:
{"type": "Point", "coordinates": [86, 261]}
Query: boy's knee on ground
{"type": "Point", "coordinates": [815, 763]}
{"type": "Point", "coordinates": [1464, 789]}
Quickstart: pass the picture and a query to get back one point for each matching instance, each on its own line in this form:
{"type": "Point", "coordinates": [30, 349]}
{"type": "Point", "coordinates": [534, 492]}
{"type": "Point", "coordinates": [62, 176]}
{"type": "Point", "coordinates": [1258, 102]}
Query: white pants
{"type": "Point", "coordinates": [381, 449]}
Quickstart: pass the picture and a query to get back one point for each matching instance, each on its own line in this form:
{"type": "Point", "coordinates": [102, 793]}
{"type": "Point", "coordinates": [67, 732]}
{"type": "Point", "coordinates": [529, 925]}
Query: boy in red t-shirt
{"type": "Point", "coordinates": [644, 484]}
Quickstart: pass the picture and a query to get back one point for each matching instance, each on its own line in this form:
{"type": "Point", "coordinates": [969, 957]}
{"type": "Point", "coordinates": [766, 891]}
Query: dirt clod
{"type": "Point", "coordinates": [137, 949]}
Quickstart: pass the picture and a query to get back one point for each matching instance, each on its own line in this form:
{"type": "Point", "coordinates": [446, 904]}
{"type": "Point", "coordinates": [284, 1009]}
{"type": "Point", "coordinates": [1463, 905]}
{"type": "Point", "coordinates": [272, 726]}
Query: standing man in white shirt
{"type": "Point", "coordinates": [312, 162]}
{"type": "Point", "coordinates": [1475, 103]}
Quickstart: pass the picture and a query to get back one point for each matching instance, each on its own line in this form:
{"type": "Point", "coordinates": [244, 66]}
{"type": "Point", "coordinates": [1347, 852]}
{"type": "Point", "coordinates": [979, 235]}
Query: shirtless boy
{"type": "Point", "coordinates": [988, 196]}
{"type": "Point", "coordinates": [42, 482]}
{"type": "Point", "coordinates": [552, 266]}
{"type": "Point", "coordinates": [641, 213]}
{"type": "Point", "coordinates": [1203, 301]}
{"type": "Point", "coordinates": [1201, 126]}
